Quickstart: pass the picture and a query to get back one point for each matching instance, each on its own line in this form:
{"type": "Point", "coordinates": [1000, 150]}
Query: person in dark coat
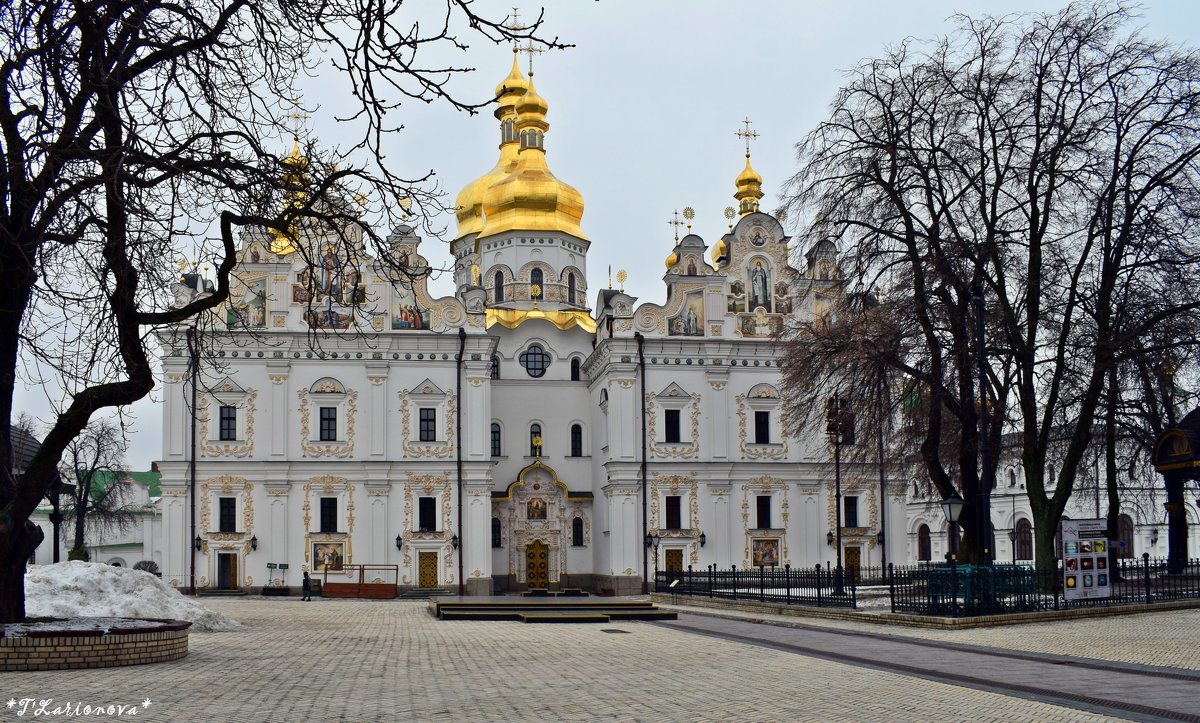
{"type": "Point", "coordinates": [306, 588]}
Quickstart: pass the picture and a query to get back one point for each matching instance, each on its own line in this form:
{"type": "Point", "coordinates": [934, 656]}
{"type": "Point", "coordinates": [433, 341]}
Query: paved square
{"type": "Point", "coordinates": [376, 661]}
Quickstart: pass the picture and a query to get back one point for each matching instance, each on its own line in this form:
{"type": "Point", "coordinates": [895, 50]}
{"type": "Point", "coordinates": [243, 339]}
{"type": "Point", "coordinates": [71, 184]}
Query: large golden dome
{"type": "Point", "coordinates": [529, 197]}
{"type": "Point", "coordinates": [468, 206]}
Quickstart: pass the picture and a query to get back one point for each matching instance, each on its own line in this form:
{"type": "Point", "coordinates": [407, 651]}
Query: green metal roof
{"type": "Point", "coordinates": [150, 480]}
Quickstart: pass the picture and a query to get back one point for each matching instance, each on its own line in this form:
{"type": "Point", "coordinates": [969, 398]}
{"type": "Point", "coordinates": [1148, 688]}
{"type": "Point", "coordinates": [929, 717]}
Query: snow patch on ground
{"type": "Point", "coordinates": [103, 625]}
{"type": "Point", "coordinates": [94, 590]}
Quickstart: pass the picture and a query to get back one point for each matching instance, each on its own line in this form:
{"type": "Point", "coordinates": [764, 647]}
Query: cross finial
{"type": "Point", "coordinates": [530, 50]}
{"type": "Point", "coordinates": [298, 118]}
{"type": "Point", "coordinates": [747, 135]}
{"type": "Point", "coordinates": [515, 26]}
{"type": "Point", "coordinates": [676, 223]}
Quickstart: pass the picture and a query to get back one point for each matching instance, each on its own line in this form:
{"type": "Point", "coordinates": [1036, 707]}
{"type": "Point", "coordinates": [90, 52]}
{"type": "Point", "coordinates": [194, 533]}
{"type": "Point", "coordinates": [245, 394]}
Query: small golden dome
{"type": "Point", "coordinates": [529, 197]}
{"type": "Point", "coordinates": [510, 89]}
{"type": "Point", "coordinates": [672, 259]}
{"type": "Point", "coordinates": [718, 250]}
{"type": "Point", "coordinates": [749, 189]}
{"type": "Point", "coordinates": [468, 206]}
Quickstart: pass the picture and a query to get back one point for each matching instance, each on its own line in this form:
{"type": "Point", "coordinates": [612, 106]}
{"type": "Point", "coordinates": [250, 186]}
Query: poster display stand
{"type": "Point", "coordinates": [1085, 559]}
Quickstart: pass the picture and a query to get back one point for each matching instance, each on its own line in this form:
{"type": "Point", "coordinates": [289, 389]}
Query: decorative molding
{"type": "Point", "coordinates": [314, 448]}
{"type": "Point", "coordinates": [278, 378]}
{"type": "Point", "coordinates": [718, 386]}
{"type": "Point", "coordinates": [765, 484]}
{"type": "Point", "coordinates": [858, 487]}
{"type": "Point", "coordinates": [756, 451]}
{"type": "Point", "coordinates": [231, 448]}
{"type": "Point", "coordinates": [684, 450]}
{"type": "Point", "coordinates": [437, 450]}
{"type": "Point", "coordinates": [329, 484]}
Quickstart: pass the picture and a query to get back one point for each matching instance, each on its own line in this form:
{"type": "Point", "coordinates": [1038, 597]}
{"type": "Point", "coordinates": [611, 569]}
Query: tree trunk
{"type": "Point", "coordinates": [80, 517]}
{"type": "Point", "coordinates": [12, 571]}
{"type": "Point", "coordinates": [1045, 526]}
{"type": "Point", "coordinates": [1112, 519]}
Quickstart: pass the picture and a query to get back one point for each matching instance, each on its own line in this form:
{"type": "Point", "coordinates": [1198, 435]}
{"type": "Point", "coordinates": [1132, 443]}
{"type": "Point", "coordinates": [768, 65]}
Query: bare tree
{"type": "Point", "coordinates": [101, 500]}
{"type": "Point", "coordinates": [1048, 162]}
{"type": "Point", "coordinates": [136, 134]}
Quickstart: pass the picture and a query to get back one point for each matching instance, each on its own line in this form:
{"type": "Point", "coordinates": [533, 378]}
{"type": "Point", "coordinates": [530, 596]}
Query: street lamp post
{"type": "Point", "coordinates": [952, 508]}
{"type": "Point", "coordinates": [652, 541]}
{"type": "Point", "coordinates": [983, 502]}
{"type": "Point", "coordinates": [839, 425]}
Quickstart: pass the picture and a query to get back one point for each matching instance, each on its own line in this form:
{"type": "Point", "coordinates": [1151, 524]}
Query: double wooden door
{"type": "Point", "coordinates": [537, 565]}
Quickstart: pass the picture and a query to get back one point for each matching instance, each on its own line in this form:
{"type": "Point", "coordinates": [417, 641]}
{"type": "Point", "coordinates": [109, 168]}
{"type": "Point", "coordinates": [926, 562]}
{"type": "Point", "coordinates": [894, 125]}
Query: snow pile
{"type": "Point", "coordinates": [91, 589]}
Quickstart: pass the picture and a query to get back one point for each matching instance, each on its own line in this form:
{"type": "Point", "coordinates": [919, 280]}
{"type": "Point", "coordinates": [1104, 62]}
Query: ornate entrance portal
{"type": "Point", "coordinates": [537, 565]}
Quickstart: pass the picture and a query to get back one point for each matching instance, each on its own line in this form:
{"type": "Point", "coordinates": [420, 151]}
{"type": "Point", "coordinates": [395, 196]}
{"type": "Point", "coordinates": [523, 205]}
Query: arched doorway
{"type": "Point", "coordinates": [1024, 541]}
{"type": "Point", "coordinates": [924, 544]}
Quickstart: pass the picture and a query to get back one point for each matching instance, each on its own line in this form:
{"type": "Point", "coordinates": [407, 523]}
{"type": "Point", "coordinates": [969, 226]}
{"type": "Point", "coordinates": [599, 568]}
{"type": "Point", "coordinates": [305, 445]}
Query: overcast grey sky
{"type": "Point", "coordinates": [644, 109]}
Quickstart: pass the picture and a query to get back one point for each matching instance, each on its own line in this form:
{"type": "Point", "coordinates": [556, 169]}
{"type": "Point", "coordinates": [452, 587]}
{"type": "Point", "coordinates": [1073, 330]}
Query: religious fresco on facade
{"type": "Point", "coordinates": [327, 556]}
{"type": "Point", "coordinates": [766, 553]}
{"type": "Point", "coordinates": [737, 297]}
{"type": "Point", "coordinates": [759, 324]}
{"type": "Point", "coordinates": [535, 509]}
{"type": "Point", "coordinates": [406, 314]}
{"type": "Point", "coordinates": [783, 299]}
{"type": "Point", "coordinates": [690, 321]}
{"type": "Point", "coordinates": [250, 310]}
{"type": "Point", "coordinates": [760, 287]}
{"type": "Point", "coordinates": [328, 318]}
{"type": "Point", "coordinates": [301, 290]}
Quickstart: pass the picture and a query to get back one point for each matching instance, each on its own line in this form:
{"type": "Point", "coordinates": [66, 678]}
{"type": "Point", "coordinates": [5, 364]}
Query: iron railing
{"type": "Point", "coordinates": [940, 589]}
{"type": "Point", "coordinates": [813, 586]}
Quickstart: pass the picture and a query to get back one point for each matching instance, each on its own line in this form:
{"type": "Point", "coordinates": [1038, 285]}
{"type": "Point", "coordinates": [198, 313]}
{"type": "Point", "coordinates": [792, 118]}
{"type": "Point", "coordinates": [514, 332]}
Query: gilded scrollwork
{"type": "Point", "coordinates": [233, 448]}
{"type": "Point", "coordinates": [437, 450]}
{"type": "Point", "coordinates": [314, 448]}
{"type": "Point", "coordinates": [756, 451]}
{"type": "Point", "coordinates": [685, 450]}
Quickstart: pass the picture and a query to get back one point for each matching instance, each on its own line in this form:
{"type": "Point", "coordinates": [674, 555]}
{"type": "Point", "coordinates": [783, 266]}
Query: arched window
{"type": "Point", "coordinates": [496, 541]}
{"type": "Point", "coordinates": [575, 369]}
{"type": "Point", "coordinates": [571, 288]}
{"type": "Point", "coordinates": [535, 284]}
{"type": "Point", "coordinates": [577, 532]}
{"type": "Point", "coordinates": [1024, 540]}
{"type": "Point", "coordinates": [924, 544]}
{"type": "Point", "coordinates": [495, 367]}
{"type": "Point", "coordinates": [576, 440]}
{"type": "Point", "coordinates": [498, 287]}
{"type": "Point", "coordinates": [1125, 535]}
{"type": "Point", "coordinates": [1012, 477]}
{"type": "Point", "coordinates": [495, 439]}
{"type": "Point", "coordinates": [535, 437]}
{"type": "Point", "coordinates": [1051, 480]}
{"type": "Point", "coordinates": [535, 360]}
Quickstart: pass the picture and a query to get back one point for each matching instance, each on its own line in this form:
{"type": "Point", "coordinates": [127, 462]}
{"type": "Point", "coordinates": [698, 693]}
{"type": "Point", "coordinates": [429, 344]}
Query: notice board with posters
{"type": "Point", "coordinates": [1085, 559]}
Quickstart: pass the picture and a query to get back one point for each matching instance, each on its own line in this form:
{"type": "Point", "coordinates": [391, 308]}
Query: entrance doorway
{"type": "Point", "coordinates": [537, 565]}
{"type": "Point", "coordinates": [853, 561]}
{"type": "Point", "coordinates": [674, 562]}
{"type": "Point", "coordinates": [227, 571]}
{"type": "Point", "coordinates": [427, 569]}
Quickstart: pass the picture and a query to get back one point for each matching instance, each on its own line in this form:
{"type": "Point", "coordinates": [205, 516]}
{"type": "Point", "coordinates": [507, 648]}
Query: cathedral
{"type": "Point", "coordinates": [527, 432]}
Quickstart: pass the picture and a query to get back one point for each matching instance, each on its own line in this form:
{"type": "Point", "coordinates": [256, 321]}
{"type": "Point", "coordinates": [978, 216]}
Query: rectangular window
{"type": "Point", "coordinates": [495, 439]}
{"type": "Point", "coordinates": [228, 428]}
{"type": "Point", "coordinates": [427, 514]}
{"type": "Point", "coordinates": [850, 511]}
{"type": "Point", "coordinates": [762, 427]}
{"type": "Point", "coordinates": [764, 512]}
{"type": "Point", "coordinates": [328, 424]}
{"type": "Point", "coordinates": [428, 424]}
{"type": "Point", "coordinates": [674, 518]}
{"type": "Point", "coordinates": [227, 522]}
{"type": "Point", "coordinates": [328, 514]}
{"type": "Point", "coordinates": [671, 424]}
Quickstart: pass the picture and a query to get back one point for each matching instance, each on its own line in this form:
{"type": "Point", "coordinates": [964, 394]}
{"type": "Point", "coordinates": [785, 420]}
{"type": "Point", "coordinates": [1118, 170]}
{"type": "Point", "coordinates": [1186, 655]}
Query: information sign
{"type": "Point", "coordinates": [1085, 559]}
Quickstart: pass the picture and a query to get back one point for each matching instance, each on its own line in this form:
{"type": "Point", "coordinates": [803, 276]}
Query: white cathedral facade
{"type": "Point", "coordinates": [494, 440]}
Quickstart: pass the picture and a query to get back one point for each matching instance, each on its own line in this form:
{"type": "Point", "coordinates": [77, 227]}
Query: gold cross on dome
{"type": "Point", "coordinates": [747, 135]}
{"type": "Point", "coordinates": [530, 50]}
{"type": "Point", "coordinates": [514, 26]}
{"type": "Point", "coordinates": [676, 223]}
{"type": "Point", "coordinates": [298, 118]}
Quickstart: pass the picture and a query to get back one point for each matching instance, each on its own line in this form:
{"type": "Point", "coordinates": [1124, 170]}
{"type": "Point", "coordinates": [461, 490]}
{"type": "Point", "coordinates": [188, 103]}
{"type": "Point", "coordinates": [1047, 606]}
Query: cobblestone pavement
{"type": "Point", "coordinates": [1168, 639]}
{"type": "Point", "coordinates": [366, 661]}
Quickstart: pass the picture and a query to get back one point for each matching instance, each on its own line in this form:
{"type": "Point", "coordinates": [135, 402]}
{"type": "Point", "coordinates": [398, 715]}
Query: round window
{"type": "Point", "coordinates": [535, 360]}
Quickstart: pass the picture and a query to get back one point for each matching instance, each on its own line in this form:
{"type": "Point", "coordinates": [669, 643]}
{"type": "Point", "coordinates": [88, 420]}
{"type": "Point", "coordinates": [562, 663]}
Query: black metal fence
{"type": "Point", "coordinates": [933, 589]}
{"type": "Point", "coordinates": [813, 586]}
